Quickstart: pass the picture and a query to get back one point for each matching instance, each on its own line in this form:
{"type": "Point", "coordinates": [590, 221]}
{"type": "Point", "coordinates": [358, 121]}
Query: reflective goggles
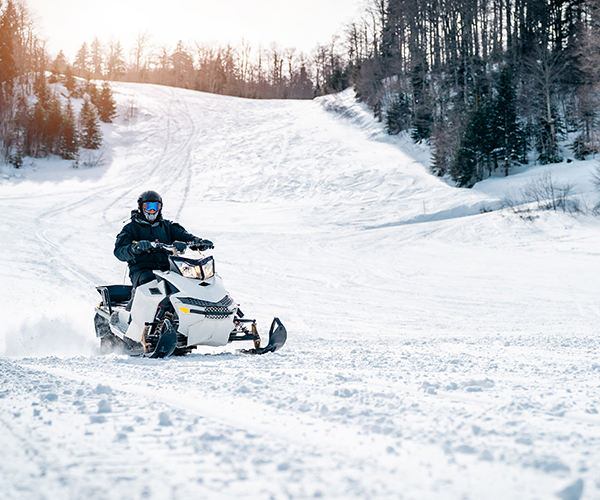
{"type": "Point", "coordinates": [151, 206]}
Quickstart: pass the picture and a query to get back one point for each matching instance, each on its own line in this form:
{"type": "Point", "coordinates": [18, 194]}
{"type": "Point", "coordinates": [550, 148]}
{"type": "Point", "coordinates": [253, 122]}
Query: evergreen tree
{"type": "Point", "coordinates": [21, 123]}
{"type": "Point", "coordinates": [422, 114]}
{"type": "Point", "coordinates": [69, 139]}
{"type": "Point", "coordinates": [36, 130]}
{"type": "Point", "coordinates": [92, 92]}
{"type": "Point", "coordinates": [476, 147]}
{"type": "Point", "coordinates": [507, 134]}
{"type": "Point", "coordinates": [54, 124]}
{"type": "Point", "coordinates": [397, 117]}
{"type": "Point", "coordinates": [107, 108]}
{"type": "Point", "coordinates": [70, 82]}
{"type": "Point", "coordinates": [82, 64]}
{"type": "Point", "coordinates": [89, 126]}
{"type": "Point", "coordinates": [59, 65]}
{"type": "Point", "coordinates": [546, 141]}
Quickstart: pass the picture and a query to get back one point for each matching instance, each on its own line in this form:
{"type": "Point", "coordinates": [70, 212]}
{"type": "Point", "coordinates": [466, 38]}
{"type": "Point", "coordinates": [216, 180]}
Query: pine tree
{"type": "Point", "coordinates": [397, 117]}
{"type": "Point", "coordinates": [59, 65]}
{"type": "Point", "coordinates": [476, 146]}
{"type": "Point", "coordinates": [81, 64]}
{"type": "Point", "coordinates": [54, 124]}
{"type": "Point", "coordinates": [90, 133]}
{"type": "Point", "coordinates": [422, 114]}
{"type": "Point", "coordinates": [107, 108]}
{"type": "Point", "coordinates": [69, 139]}
{"type": "Point", "coordinates": [36, 130]}
{"type": "Point", "coordinates": [70, 83]}
{"type": "Point", "coordinates": [508, 136]}
{"type": "Point", "coordinates": [547, 131]}
{"type": "Point", "coordinates": [92, 92]}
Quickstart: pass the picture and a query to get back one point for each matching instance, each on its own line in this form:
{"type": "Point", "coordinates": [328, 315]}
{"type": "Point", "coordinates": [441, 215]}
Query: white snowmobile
{"type": "Point", "coordinates": [185, 307]}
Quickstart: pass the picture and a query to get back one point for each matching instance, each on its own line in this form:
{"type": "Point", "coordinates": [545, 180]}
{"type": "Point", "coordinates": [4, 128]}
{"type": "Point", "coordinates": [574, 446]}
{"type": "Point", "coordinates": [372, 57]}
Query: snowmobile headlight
{"type": "Point", "coordinates": [188, 270]}
{"type": "Point", "coordinates": [208, 268]}
{"type": "Point", "coordinates": [195, 269]}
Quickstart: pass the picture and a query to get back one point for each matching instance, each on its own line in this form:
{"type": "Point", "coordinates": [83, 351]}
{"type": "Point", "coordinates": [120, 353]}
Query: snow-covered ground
{"type": "Point", "coordinates": [434, 351]}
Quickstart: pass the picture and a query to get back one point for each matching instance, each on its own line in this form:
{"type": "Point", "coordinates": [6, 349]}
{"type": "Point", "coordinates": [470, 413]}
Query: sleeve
{"type": "Point", "coordinates": [178, 233]}
{"type": "Point", "coordinates": [123, 246]}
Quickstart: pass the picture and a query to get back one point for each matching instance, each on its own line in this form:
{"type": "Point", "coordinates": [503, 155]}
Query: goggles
{"type": "Point", "coordinates": [151, 206]}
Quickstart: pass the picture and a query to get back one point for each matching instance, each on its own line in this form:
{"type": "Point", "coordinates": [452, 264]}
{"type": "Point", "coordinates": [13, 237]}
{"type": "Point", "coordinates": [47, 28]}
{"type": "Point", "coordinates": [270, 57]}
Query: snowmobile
{"type": "Point", "coordinates": [184, 307]}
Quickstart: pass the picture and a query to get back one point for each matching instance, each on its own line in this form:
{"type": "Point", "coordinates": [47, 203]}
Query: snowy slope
{"type": "Point", "coordinates": [434, 351]}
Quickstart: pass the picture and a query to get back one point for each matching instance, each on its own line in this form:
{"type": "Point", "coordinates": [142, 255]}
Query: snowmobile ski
{"type": "Point", "coordinates": [277, 338]}
{"type": "Point", "coordinates": [167, 342]}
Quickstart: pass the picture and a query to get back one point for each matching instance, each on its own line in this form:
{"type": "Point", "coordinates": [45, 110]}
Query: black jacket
{"type": "Point", "coordinates": [161, 230]}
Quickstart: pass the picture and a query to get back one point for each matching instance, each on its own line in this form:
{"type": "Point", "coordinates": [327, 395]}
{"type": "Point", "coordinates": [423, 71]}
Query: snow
{"type": "Point", "coordinates": [435, 349]}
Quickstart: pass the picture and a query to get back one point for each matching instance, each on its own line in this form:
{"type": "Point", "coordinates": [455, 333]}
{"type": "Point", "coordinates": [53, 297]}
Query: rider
{"type": "Point", "coordinates": [134, 242]}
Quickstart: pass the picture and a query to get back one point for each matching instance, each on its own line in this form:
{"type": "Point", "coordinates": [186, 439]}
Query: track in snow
{"type": "Point", "coordinates": [433, 352]}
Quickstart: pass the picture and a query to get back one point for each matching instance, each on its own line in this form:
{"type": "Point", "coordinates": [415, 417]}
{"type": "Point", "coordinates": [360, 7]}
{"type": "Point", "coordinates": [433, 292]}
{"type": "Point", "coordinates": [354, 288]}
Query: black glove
{"type": "Point", "coordinates": [141, 247]}
{"type": "Point", "coordinates": [180, 246]}
{"type": "Point", "coordinates": [200, 244]}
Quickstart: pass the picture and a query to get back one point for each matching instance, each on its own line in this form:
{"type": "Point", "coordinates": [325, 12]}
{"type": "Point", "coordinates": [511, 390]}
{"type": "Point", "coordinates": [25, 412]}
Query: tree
{"type": "Point", "coordinates": [107, 108]}
{"type": "Point", "coordinates": [36, 131]}
{"type": "Point", "coordinates": [96, 58]}
{"type": "Point", "coordinates": [397, 117]}
{"type": "Point", "coordinates": [70, 83]}
{"type": "Point", "coordinates": [82, 64]}
{"type": "Point", "coordinates": [422, 114]}
{"type": "Point", "coordinates": [476, 146]}
{"type": "Point", "coordinates": [69, 138]}
{"type": "Point", "coordinates": [8, 40]}
{"type": "Point", "coordinates": [89, 126]}
{"type": "Point", "coordinates": [507, 134]}
{"type": "Point", "coordinates": [182, 66]}
{"type": "Point", "coordinates": [59, 65]}
{"type": "Point", "coordinates": [54, 125]}
{"type": "Point", "coordinates": [115, 64]}
{"type": "Point", "coordinates": [138, 55]}
{"type": "Point", "coordinates": [546, 69]}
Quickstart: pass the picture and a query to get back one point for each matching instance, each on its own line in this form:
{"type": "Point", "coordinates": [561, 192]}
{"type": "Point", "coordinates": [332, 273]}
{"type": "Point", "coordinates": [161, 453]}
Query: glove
{"type": "Point", "coordinates": [200, 244]}
{"type": "Point", "coordinates": [141, 247]}
{"type": "Point", "coordinates": [180, 246]}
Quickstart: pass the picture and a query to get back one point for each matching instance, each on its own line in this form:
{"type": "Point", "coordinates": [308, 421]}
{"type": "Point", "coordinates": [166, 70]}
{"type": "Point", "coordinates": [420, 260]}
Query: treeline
{"type": "Point", "coordinates": [38, 119]}
{"type": "Point", "coordinates": [486, 82]}
{"type": "Point", "coordinates": [242, 71]}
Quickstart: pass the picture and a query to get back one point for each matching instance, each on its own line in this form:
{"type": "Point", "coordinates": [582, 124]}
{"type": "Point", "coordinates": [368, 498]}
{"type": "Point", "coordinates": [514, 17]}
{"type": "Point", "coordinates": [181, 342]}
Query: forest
{"type": "Point", "coordinates": [488, 84]}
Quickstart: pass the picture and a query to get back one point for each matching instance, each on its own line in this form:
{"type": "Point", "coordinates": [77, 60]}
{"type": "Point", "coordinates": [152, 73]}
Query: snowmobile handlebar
{"type": "Point", "coordinates": [173, 249]}
{"type": "Point", "coordinates": [164, 247]}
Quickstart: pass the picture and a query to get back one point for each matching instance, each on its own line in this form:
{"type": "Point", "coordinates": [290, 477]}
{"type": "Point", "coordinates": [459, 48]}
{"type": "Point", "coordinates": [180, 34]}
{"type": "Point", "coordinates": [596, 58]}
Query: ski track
{"type": "Point", "coordinates": [434, 352]}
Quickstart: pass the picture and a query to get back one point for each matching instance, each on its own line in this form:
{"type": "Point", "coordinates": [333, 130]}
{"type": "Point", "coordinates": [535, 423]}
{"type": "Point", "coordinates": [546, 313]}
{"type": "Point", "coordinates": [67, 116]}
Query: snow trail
{"type": "Point", "coordinates": [434, 351]}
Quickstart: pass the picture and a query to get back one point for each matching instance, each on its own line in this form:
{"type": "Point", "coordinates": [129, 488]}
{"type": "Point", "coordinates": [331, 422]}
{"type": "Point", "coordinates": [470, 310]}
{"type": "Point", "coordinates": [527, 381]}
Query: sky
{"type": "Point", "coordinates": [302, 24]}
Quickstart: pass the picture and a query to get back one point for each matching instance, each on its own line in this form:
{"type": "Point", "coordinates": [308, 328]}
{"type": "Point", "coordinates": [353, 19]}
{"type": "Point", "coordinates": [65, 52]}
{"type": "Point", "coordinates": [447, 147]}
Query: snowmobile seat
{"type": "Point", "coordinates": [114, 295]}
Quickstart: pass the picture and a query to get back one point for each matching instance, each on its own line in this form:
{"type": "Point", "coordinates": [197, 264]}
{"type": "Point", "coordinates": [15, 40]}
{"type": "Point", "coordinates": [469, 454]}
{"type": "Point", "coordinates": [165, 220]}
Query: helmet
{"type": "Point", "coordinates": [150, 205]}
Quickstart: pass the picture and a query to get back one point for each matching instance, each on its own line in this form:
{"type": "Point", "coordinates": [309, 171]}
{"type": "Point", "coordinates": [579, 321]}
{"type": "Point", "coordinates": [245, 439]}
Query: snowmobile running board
{"type": "Point", "coordinates": [277, 337]}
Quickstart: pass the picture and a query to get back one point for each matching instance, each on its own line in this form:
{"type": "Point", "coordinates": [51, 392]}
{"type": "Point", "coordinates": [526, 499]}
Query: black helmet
{"type": "Point", "coordinates": [150, 205]}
